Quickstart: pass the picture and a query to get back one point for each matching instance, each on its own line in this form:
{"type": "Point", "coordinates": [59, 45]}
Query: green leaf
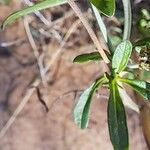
{"type": "Point", "coordinates": [117, 119]}
{"type": "Point", "coordinates": [103, 29]}
{"type": "Point", "coordinates": [145, 75]}
{"type": "Point", "coordinates": [142, 42]}
{"type": "Point", "coordinates": [95, 56]}
{"type": "Point", "coordinates": [142, 87]}
{"type": "Point", "coordinates": [6, 2]}
{"type": "Point", "coordinates": [82, 108]}
{"type": "Point", "coordinates": [39, 6]}
{"type": "Point", "coordinates": [107, 7]}
{"type": "Point", "coordinates": [121, 56]}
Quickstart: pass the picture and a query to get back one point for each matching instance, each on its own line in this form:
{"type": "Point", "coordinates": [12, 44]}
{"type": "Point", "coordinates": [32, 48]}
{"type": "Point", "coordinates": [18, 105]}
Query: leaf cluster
{"type": "Point", "coordinates": [116, 112]}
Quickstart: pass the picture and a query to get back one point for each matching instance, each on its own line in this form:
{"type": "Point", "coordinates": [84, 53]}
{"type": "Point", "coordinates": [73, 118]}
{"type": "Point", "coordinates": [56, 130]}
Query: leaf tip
{"type": "Point", "coordinates": [2, 26]}
{"type": "Point", "coordinates": [75, 61]}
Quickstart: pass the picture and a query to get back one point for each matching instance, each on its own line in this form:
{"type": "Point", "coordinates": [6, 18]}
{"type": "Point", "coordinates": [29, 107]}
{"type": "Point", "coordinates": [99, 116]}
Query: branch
{"type": "Point", "coordinates": [76, 9]}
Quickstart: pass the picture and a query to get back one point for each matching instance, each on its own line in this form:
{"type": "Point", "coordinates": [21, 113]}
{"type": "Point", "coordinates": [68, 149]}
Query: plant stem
{"type": "Point", "coordinates": [128, 19]}
{"type": "Point", "coordinates": [89, 30]}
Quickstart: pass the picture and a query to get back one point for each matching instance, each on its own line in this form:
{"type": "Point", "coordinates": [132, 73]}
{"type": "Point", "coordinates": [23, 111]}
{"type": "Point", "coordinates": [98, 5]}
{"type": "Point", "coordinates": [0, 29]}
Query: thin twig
{"type": "Point", "coordinates": [37, 13]}
{"type": "Point", "coordinates": [11, 43]}
{"type": "Point", "coordinates": [66, 15]}
{"type": "Point", "coordinates": [35, 50]}
{"type": "Point", "coordinates": [60, 50]}
{"type": "Point", "coordinates": [39, 94]}
{"type": "Point", "coordinates": [89, 29]}
{"type": "Point", "coordinates": [19, 109]}
{"type": "Point", "coordinates": [62, 95]}
{"type": "Point", "coordinates": [35, 84]}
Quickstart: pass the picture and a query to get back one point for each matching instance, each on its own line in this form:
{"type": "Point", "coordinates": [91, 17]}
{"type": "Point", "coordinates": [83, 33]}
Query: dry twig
{"type": "Point", "coordinates": [89, 29]}
{"type": "Point", "coordinates": [19, 108]}
{"type": "Point", "coordinates": [36, 83]}
{"type": "Point", "coordinates": [35, 50]}
{"type": "Point", "coordinates": [37, 13]}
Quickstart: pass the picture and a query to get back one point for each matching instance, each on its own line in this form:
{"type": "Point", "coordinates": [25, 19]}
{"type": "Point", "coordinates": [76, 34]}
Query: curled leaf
{"type": "Point", "coordinates": [107, 7]}
{"type": "Point", "coordinates": [95, 56]}
{"type": "Point", "coordinates": [82, 108]}
{"type": "Point", "coordinates": [39, 6]}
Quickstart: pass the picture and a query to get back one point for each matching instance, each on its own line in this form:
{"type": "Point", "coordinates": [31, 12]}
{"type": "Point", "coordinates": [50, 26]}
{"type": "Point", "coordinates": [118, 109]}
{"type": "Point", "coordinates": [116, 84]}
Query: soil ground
{"type": "Point", "coordinates": [35, 129]}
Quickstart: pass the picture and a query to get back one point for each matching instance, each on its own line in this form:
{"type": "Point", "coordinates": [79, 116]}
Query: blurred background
{"type": "Point", "coordinates": [54, 37]}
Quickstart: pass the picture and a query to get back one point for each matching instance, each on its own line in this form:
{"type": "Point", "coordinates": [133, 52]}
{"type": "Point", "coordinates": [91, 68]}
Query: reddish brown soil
{"type": "Point", "coordinates": [34, 129]}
